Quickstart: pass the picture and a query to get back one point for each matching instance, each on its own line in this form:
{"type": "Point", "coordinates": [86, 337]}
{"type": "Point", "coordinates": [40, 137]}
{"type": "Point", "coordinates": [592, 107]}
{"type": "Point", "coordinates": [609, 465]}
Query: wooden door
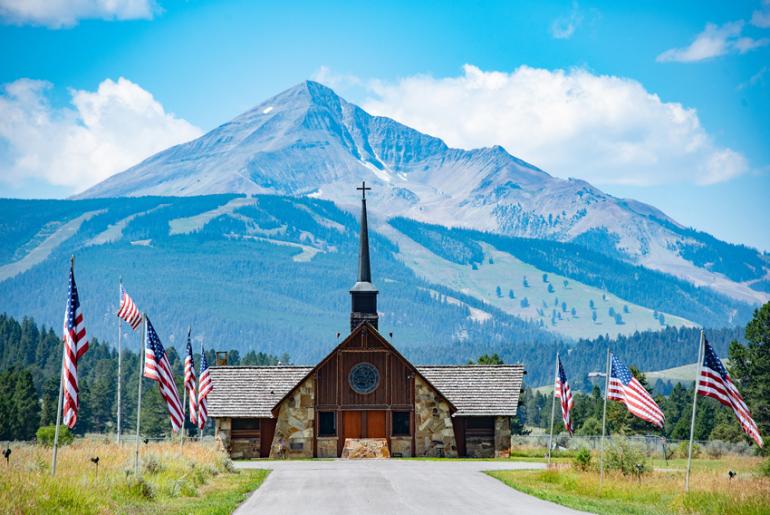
{"type": "Point", "coordinates": [267, 430]}
{"type": "Point", "coordinates": [351, 425]}
{"type": "Point", "coordinates": [375, 424]}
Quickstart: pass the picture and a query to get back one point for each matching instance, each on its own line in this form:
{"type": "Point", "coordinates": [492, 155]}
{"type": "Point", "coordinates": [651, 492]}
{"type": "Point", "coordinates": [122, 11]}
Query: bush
{"type": "Point", "coordinates": [582, 460]}
{"type": "Point", "coordinates": [152, 464]}
{"type": "Point", "coordinates": [683, 449]}
{"type": "Point", "coordinates": [629, 460]}
{"type": "Point", "coordinates": [139, 488]}
{"type": "Point", "coordinates": [764, 468]}
{"type": "Point", "coordinates": [45, 435]}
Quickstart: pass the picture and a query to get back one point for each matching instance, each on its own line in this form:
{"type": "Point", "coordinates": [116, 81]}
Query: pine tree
{"type": "Point", "coordinates": [26, 409]}
{"type": "Point", "coordinates": [750, 367]}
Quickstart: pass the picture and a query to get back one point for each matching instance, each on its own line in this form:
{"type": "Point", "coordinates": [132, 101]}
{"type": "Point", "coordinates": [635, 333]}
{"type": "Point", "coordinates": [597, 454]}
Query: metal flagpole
{"type": "Point", "coordinates": [200, 429]}
{"type": "Point", "coordinates": [61, 394]}
{"type": "Point", "coordinates": [604, 418]}
{"type": "Point", "coordinates": [553, 409]}
{"type": "Point", "coordinates": [120, 364]}
{"type": "Point", "coordinates": [184, 415]}
{"type": "Point", "coordinates": [139, 396]}
{"type": "Point", "coordinates": [692, 419]}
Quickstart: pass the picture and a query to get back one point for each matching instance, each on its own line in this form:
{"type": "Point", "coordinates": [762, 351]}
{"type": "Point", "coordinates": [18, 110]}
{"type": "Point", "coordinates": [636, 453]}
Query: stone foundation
{"type": "Point", "coordinates": [294, 426]}
{"type": "Point", "coordinates": [434, 434]}
{"type": "Point", "coordinates": [401, 446]}
{"type": "Point", "coordinates": [502, 437]}
{"type": "Point", "coordinates": [244, 448]}
{"type": "Point", "coordinates": [222, 434]}
{"type": "Point", "coordinates": [327, 446]}
{"type": "Point", "coordinates": [480, 446]}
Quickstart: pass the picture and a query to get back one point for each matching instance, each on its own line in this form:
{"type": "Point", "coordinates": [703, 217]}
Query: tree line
{"type": "Point", "coordinates": [749, 368]}
{"type": "Point", "coordinates": [30, 361]}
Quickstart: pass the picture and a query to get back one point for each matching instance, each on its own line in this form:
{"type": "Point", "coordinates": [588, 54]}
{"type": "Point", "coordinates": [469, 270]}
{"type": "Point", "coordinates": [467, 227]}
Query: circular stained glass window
{"type": "Point", "coordinates": [364, 378]}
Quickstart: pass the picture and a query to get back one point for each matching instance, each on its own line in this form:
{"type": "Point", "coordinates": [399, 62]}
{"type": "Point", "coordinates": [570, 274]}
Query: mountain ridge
{"type": "Point", "coordinates": [308, 141]}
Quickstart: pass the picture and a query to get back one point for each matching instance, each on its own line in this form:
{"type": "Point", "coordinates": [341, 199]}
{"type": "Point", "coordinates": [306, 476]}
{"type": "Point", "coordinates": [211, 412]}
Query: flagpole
{"type": "Point", "coordinates": [139, 396]}
{"type": "Point", "coordinates": [604, 418]}
{"type": "Point", "coordinates": [120, 364]}
{"type": "Point", "coordinates": [553, 408]}
{"type": "Point", "coordinates": [692, 419]}
{"type": "Point", "coordinates": [184, 414]}
{"type": "Point", "coordinates": [61, 394]}
{"type": "Point", "coordinates": [200, 429]}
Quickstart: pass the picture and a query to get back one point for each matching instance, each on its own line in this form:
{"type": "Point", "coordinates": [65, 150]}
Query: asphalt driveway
{"type": "Point", "coordinates": [390, 487]}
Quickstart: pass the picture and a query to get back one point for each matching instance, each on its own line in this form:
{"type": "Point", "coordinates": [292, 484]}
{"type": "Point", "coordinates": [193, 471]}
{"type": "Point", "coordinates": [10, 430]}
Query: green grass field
{"type": "Point", "coordinates": [194, 478]}
{"type": "Point", "coordinates": [660, 492]}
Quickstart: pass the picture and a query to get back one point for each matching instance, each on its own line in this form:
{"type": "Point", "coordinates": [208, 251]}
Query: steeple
{"type": "Point", "coordinates": [363, 294]}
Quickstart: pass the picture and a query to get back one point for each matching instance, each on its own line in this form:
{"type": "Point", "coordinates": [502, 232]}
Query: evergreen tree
{"type": "Point", "coordinates": [750, 368]}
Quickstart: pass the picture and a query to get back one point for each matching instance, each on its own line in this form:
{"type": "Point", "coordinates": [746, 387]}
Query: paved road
{"type": "Point", "coordinates": [390, 487]}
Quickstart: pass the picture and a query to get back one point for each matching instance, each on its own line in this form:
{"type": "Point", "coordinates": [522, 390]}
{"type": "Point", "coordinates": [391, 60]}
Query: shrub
{"type": "Point", "coordinates": [683, 447]}
{"type": "Point", "coordinates": [139, 488]}
{"type": "Point", "coordinates": [582, 460]}
{"type": "Point", "coordinates": [45, 435]}
{"type": "Point", "coordinates": [627, 459]}
{"type": "Point", "coordinates": [152, 464]}
{"type": "Point", "coordinates": [764, 469]}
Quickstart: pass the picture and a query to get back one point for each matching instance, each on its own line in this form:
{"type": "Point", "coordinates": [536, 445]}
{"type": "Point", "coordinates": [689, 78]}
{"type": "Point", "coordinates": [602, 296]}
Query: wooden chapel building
{"type": "Point", "coordinates": [364, 388]}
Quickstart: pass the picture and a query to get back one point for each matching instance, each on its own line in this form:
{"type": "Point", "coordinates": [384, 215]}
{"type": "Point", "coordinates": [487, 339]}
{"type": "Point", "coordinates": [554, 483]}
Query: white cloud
{"type": "Point", "coordinates": [564, 27]}
{"type": "Point", "coordinates": [761, 17]}
{"type": "Point", "coordinates": [66, 13]}
{"type": "Point", "coordinates": [714, 41]}
{"type": "Point", "coordinates": [104, 132]}
{"type": "Point", "coordinates": [604, 129]}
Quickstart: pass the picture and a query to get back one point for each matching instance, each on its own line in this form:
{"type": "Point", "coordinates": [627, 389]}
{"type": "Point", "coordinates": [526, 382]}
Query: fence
{"type": "Point", "coordinates": [652, 445]}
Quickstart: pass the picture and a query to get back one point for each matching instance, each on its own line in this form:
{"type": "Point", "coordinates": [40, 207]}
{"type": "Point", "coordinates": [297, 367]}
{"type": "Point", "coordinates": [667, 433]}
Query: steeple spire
{"type": "Point", "coordinates": [364, 268]}
{"type": "Point", "coordinates": [363, 294]}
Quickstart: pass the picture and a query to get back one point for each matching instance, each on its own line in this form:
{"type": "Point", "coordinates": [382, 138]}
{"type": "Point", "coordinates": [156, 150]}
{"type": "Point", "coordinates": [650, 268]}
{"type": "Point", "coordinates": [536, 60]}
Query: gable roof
{"type": "Point", "coordinates": [251, 391]}
{"type": "Point", "coordinates": [478, 390]}
{"type": "Point", "coordinates": [368, 329]}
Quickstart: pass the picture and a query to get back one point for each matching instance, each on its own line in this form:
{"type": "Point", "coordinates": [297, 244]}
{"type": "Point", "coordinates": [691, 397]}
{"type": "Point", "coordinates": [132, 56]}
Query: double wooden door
{"type": "Point", "coordinates": [362, 424]}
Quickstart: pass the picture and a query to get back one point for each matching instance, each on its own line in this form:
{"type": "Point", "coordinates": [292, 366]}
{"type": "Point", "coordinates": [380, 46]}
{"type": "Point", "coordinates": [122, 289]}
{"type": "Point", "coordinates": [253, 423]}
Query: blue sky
{"type": "Point", "coordinates": [652, 77]}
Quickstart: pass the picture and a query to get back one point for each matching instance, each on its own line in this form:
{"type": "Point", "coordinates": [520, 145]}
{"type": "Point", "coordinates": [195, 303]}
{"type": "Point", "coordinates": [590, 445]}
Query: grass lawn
{"type": "Point", "coordinates": [194, 478]}
{"type": "Point", "coordinates": [658, 493]}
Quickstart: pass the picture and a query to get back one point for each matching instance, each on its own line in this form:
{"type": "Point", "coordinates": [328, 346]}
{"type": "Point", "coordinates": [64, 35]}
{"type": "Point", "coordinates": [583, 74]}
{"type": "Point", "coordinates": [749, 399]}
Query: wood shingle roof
{"type": "Point", "coordinates": [478, 390]}
{"type": "Point", "coordinates": [474, 390]}
{"type": "Point", "coordinates": [251, 391]}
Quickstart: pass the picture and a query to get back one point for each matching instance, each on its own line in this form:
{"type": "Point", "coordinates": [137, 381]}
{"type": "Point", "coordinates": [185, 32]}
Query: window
{"type": "Point", "coordinates": [245, 427]}
{"type": "Point", "coordinates": [327, 423]}
{"type": "Point", "coordinates": [400, 423]}
{"type": "Point", "coordinates": [480, 426]}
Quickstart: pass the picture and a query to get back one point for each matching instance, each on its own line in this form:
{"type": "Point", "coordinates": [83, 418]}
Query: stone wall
{"type": "Point", "coordinates": [244, 448]}
{"type": "Point", "coordinates": [294, 426]}
{"type": "Point", "coordinates": [434, 434]}
{"type": "Point", "coordinates": [502, 437]}
{"type": "Point", "coordinates": [480, 446]}
{"type": "Point", "coordinates": [222, 434]}
{"type": "Point", "coordinates": [327, 446]}
{"type": "Point", "coordinates": [401, 446]}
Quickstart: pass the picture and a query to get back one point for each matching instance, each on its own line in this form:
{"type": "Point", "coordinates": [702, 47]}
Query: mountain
{"type": "Point", "coordinates": [271, 274]}
{"type": "Point", "coordinates": [308, 141]}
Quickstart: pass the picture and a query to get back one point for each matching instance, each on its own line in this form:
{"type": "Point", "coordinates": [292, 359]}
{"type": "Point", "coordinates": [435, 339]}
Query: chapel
{"type": "Point", "coordinates": [363, 390]}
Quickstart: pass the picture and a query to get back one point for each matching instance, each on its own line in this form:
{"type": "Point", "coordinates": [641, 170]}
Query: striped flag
{"type": "Point", "coordinates": [189, 381]}
{"type": "Point", "coordinates": [204, 389]}
{"type": "Point", "coordinates": [564, 395]}
{"type": "Point", "coordinates": [75, 345]}
{"type": "Point", "coordinates": [625, 388]}
{"type": "Point", "coordinates": [715, 382]}
{"type": "Point", "coordinates": [157, 368]}
{"type": "Point", "coordinates": [128, 310]}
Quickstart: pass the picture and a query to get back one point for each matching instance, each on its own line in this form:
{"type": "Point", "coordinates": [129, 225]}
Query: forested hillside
{"type": "Point", "coordinates": [30, 361]}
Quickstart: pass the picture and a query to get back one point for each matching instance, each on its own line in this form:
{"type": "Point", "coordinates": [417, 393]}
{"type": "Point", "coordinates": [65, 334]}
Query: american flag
{"type": "Point", "coordinates": [128, 310]}
{"type": "Point", "coordinates": [715, 382]}
{"type": "Point", "coordinates": [625, 388]}
{"type": "Point", "coordinates": [75, 345]}
{"type": "Point", "coordinates": [157, 368]}
{"type": "Point", "coordinates": [189, 381]}
{"type": "Point", "coordinates": [204, 389]}
{"type": "Point", "coordinates": [564, 394]}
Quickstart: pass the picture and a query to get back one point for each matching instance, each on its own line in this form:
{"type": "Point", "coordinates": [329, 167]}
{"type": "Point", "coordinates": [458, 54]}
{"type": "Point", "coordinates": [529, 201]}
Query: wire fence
{"type": "Point", "coordinates": [653, 446]}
